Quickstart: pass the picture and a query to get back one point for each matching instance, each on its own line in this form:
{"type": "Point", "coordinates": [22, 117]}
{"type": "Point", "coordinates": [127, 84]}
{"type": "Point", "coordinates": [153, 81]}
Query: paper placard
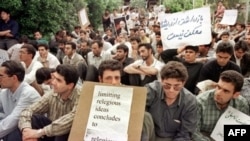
{"type": "Point", "coordinates": [131, 113]}
{"type": "Point", "coordinates": [191, 27]}
{"type": "Point", "coordinates": [229, 17]}
{"type": "Point", "coordinates": [83, 17]}
{"type": "Point", "coordinates": [231, 116]}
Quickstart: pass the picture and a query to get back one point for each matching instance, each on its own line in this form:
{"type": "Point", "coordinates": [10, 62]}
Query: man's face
{"type": "Point", "coordinates": [84, 46]}
{"type": "Point", "coordinates": [37, 35]}
{"type": "Point", "coordinates": [68, 50]}
{"type": "Point", "coordinates": [134, 45]}
{"type": "Point", "coordinates": [225, 38]}
{"type": "Point", "coordinates": [61, 46]}
{"type": "Point", "coordinates": [172, 87]}
{"type": "Point", "coordinates": [224, 92]}
{"type": "Point", "coordinates": [24, 55]}
{"type": "Point", "coordinates": [42, 51]}
{"type": "Point", "coordinates": [59, 84]}
{"type": "Point", "coordinates": [142, 33]}
{"type": "Point", "coordinates": [247, 39]}
{"type": "Point", "coordinates": [122, 24]}
{"type": "Point", "coordinates": [144, 53]}
{"type": "Point", "coordinates": [5, 80]}
{"type": "Point", "coordinates": [111, 77]}
{"type": "Point", "coordinates": [157, 38]}
{"type": "Point", "coordinates": [190, 55]}
{"type": "Point", "coordinates": [222, 58]}
{"type": "Point", "coordinates": [120, 54]}
{"type": "Point", "coordinates": [5, 16]}
{"type": "Point", "coordinates": [159, 49]}
{"type": "Point", "coordinates": [239, 53]}
{"type": "Point", "coordinates": [96, 49]}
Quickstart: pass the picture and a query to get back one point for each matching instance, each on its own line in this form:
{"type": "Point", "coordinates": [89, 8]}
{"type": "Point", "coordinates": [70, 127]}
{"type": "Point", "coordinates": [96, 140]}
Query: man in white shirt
{"type": "Point", "coordinates": [27, 54]}
{"type": "Point", "coordinates": [46, 58]}
{"type": "Point", "coordinates": [97, 55]}
{"type": "Point", "coordinates": [144, 70]}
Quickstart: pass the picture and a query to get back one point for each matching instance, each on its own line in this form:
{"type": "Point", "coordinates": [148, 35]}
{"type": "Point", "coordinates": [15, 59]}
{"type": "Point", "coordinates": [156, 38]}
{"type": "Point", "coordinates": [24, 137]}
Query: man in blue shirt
{"type": "Point", "coordinates": [14, 97]}
{"type": "Point", "coordinates": [9, 29]}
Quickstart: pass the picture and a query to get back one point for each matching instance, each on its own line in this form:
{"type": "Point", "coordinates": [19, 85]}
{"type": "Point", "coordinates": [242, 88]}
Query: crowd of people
{"type": "Point", "coordinates": [41, 82]}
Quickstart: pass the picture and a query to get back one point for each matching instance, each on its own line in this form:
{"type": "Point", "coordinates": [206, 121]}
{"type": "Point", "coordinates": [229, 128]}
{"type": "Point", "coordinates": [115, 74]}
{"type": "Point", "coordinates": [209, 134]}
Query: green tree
{"type": "Point", "coordinates": [48, 16]}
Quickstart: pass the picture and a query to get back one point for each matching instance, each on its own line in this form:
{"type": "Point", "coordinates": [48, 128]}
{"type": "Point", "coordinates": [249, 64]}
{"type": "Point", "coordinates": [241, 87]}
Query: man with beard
{"type": "Point", "coordinates": [212, 104]}
{"type": "Point", "coordinates": [122, 57]}
{"type": "Point", "coordinates": [144, 70]}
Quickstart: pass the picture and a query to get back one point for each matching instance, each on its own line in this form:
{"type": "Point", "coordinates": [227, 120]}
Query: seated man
{"type": "Point", "coordinates": [212, 104]}
{"type": "Point", "coordinates": [15, 96]}
{"type": "Point", "coordinates": [9, 29]}
{"type": "Point", "coordinates": [173, 108]}
{"type": "Point", "coordinates": [56, 105]}
{"type": "Point", "coordinates": [110, 72]}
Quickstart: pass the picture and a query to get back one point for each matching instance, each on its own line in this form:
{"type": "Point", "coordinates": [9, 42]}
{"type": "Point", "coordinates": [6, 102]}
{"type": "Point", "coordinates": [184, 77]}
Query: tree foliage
{"type": "Point", "coordinates": [97, 7]}
{"type": "Point", "coordinates": [48, 16]}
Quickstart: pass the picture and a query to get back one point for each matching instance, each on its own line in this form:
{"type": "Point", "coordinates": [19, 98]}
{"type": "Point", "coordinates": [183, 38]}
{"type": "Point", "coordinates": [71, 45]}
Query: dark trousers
{"type": "Point", "coordinates": [39, 121]}
{"type": "Point", "coordinates": [13, 136]}
{"type": "Point", "coordinates": [5, 44]}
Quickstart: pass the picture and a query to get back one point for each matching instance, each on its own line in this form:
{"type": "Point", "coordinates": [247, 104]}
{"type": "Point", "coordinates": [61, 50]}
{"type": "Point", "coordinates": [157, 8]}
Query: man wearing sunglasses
{"type": "Point", "coordinates": [173, 108]}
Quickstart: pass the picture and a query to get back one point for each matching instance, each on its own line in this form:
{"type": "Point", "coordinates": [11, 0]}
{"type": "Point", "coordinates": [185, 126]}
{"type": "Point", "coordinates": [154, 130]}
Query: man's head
{"type": "Point", "coordinates": [37, 35]}
{"type": "Point", "coordinates": [135, 41]}
{"type": "Point", "coordinates": [121, 52]}
{"type": "Point", "coordinates": [5, 15]}
{"type": "Point", "coordinates": [110, 72]}
{"type": "Point", "coordinates": [240, 49]}
{"type": "Point", "coordinates": [228, 87]}
{"type": "Point", "coordinates": [158, 36]}
{"type": "Point", "coordinates": [173, 77]}
{"type": "Point", "coordinates": [44, 75]}
{"type": "Point", "coordinates": [84, 45]}
{"type": "Point", "coordinates": [191, 53]}
{"type": "Point", "coordinates": [145, 50]}
{"type": "Point", "coordinates": [122, 24]}
{"type": "Point", "coordinates": [96, 47]}
{"type": "Point", "coordinates": [11, 72]}
{"type": "Point", "coordinates": [43, 50]}
{"type": "Point", "coordinates": [142, 32]}
{"type": "Point", "coordinates": [204, 49]}
{"type": "Point", "coordinates": [65, 78]}
{"type": "Point", "coordinates": [27, 52]}
{"type": "Point", "coordinates": [224, 36]}
{"type": "Point", "coordinates": [224, 51]}
{"type": "Point", "coordinates": [70, 48]}
{"type": "Point", "coordinates": [159, 47]}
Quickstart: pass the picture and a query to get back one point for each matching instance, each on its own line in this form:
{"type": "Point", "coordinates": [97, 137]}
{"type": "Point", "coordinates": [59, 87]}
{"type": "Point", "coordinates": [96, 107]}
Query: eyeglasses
{"type": "Point", "coordinates": [176, 87]}
{"type": "Point", "coordinates": [23, 52]}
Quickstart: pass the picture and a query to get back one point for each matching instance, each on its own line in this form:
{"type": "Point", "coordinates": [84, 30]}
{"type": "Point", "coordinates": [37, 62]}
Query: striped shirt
{"type": "Point", "coordinates": [60, 112]}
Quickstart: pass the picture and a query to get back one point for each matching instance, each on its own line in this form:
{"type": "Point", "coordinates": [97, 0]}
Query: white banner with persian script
{"type": "Point", "coordinates": [229, 17]}
{"type": "Point", "coordinates": [191, 27]}
{"type": "Point", "coordinates": [231, 116]}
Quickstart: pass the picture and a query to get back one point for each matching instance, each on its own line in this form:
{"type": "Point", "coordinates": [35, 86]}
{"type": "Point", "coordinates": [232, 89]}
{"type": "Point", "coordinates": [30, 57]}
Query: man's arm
{"type": "Point", "coordinates": [9, 123]}
{"type": "Point", "coordinates": [134, 69]}
{"type": "Point", "coordinates": [30, 77]}
{"type": "Point", "coordinates": [4, 33]}
{"type": "Point", "coordinates": [197, 135]}
{"type": "Point", "coordinates": [39, 107]}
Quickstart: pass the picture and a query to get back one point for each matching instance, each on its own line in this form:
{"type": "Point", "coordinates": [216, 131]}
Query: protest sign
{"type": "Point", "coordinates": [229, 17]}
{"type": "Point", "coordinates": [83, 17]}
{"type": "Point", "coordinates": [191, 27]}
{"type": "Point", "coordinates": [109, 112]}
{"type": "Point", "coordinates": [231, 116]}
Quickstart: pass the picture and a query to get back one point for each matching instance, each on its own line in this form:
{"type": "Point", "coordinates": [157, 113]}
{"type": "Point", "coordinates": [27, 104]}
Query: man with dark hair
{"type": "Point", "coordinates": [122, 57]}
{"type": "Point", "coordinates": [241, 57]}
{"type": "Point", "coordinates": [97, 55]}
{"type": "Point", "coordinates": [144, 70]}
{"type": "Point", "coordinates": [193, 67]}
{"type": "Point", "coordinates": [27, 54]}
{"type": "Point", "coordinates": [58, 106]}
{"type": "Point", "coordinates": [212, 69]}
{"type": "Point", "coordinates": [44, 75]}
{"type": "Point", "coordinates": [135, 41]}
{"type": "Point", "coordinates": [71, 56]}
{"type": "Point", "coordinates": [45, 57]}
{"type": "Point", "coordinates": [9, 29]}
{"type": "Point", "coordinates": [110, 73]}
{"type": "Point", "coordinates": [212, 103]}
{"type": "Point", "coordinates": [15, 96]}
{"type": "Point", "coordinates": [173, 108]}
